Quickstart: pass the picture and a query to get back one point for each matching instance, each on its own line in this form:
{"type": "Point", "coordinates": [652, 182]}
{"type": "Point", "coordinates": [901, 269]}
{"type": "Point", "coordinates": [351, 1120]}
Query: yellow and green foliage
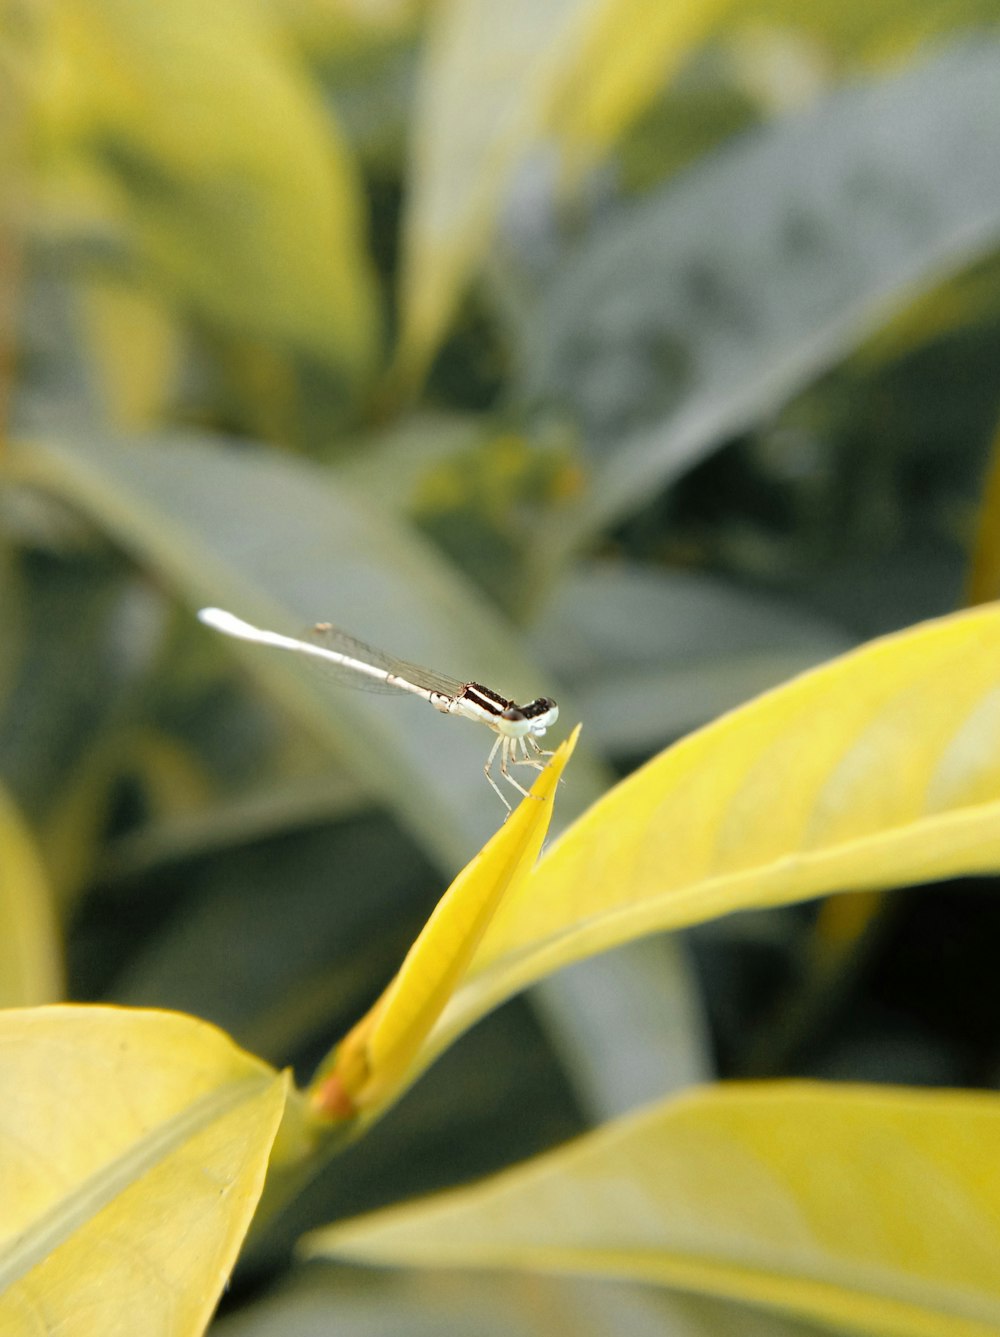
{"type": "Point", "coordinates": [640, 354]}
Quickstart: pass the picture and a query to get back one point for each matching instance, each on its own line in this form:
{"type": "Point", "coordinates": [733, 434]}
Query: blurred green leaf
{"type": "Point", "coordinates": [30, 952]}
{"type": "Point", "coordinates": [317, 1301]}
{"type": "Point", "coordinates": [391, 466]}
{"type": "Point", "coordinates": [864, 1208]}
{"type": "Point", "coordinates": [245, 199]}
{"type": "Point", "coordinates": [635, 48]}
{"type": "Point", "coordinates": [983, 582]}
{"type": "Point", "coordinates": [653, 653]}
{"type": "Point", "coordinates": [478, 490]}
{"type": "Point", "coordinates": [491, 79]}
{"type": "Point", "coordinates": [969, 299]}
{"type": "Point", "coordinates": [64, 721]}
{"type": "Point", "coordinates": [871, 30]}
{"type": "Point", "coordinates": [628, 1025]}
{"type": "Point", "coordinates": [276, 540]}
{"type": "Point", "coordinates": [690, 316]}
{"type": "Point", "coordinates": [284, 941]}
{"type": "Point", "coordinates": [277, 805]}
{"type": "Point", "coordinates": [134, 352]}
{"type": "Point", "coordinates": [15, 190]}
{"type": "Point", "coordinates": [633, 711]}
{"type": "Point", "coordinates": [343, 26]}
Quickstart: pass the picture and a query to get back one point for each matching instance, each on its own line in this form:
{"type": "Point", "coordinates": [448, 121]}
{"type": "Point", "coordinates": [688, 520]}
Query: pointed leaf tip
{"type": "Point", "coordinates": [384, 1051]}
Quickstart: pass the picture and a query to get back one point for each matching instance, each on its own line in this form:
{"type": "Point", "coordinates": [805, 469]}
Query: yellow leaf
{"type": "Point", "coordinates": [133, 1147]}
{"type": "Point", "coordinates": [869, 1209]}
{"type": "Point", "coordinates": [134, 350]}
{"type": "Point", "coordinates": [376, 1058]}
{"type": "Point", "coordinates": [30, 955]}
{"type": "Point", "coordinates": [877, 769]}
{"type": "Point", "coordinates": [635, 48]}
{"type": "Point", "coordinates": [875, 32]}
{"type": "Point", "coordinates": [343, 27]}
{"type": "Point", "coordinates": [231, 169]}
{"type": "Point", "coordinates": [491, 82]}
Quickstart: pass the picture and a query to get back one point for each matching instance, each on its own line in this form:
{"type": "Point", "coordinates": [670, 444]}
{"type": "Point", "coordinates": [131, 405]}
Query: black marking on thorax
{"type": "Point", "coordinates": [482, 696]}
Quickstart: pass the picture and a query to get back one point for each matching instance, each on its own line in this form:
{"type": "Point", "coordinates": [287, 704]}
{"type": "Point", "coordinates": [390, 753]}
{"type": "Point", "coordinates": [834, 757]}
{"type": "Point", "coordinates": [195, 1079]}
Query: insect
{"type": "Point", "coordinates": [517, 728]}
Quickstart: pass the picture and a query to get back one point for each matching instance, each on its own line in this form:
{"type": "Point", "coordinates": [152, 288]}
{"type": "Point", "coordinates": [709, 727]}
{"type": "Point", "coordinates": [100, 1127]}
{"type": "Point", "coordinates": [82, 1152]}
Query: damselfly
{"type": "Point", "coordinates": [517, 727]}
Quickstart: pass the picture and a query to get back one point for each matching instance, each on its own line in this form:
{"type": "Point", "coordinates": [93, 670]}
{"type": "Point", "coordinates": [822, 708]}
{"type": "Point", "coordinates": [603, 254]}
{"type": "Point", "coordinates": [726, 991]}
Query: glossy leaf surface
{"type": "Point", "coordinates": [878, 769]}
{"type": "Point", "coordinates": [869, 1209]}
{"type": "Point", "coordinates": [133, 1147]}
{"type": "Point", "coordinates": [373, 1062]}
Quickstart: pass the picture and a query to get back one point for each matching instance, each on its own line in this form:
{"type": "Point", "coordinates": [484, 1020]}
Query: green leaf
{"type": "Point", "coordinates": [277, 541]}
{"type": "Point", "coordinates": [629, 1025]}
{"type": "Point", "coordinates": [864, 1208]}
{"type": "Point", "coordinates": [983, 580]}
{"type": "Point", "coordinates": [359, 1302]}
{"type": "Point", "coordinates": [635, 48]}
{"type": "Point", "coordinates": [30, 952]}
{"type": "Point", "coordinates": [652, 654]}
{"type": "Point", "coordinates": [492, 77]}
{"type": "Point", "coordinates": [277, 805]}
{"type": "Point", "coordinates": [880, 31]}
{"type": "Point", "coordinates": [616, 615]}
{"type": "Point", "coordinates": [298, 963]}
{"type": "Point", "coordinates": [709, 304]}
{"type": "Point", "coordinates": [133, 1147]}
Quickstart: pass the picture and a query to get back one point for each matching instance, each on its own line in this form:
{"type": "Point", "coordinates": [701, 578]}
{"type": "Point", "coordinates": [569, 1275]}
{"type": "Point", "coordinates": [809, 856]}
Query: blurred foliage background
{"type": "Point", "coordinates": [638, 352]}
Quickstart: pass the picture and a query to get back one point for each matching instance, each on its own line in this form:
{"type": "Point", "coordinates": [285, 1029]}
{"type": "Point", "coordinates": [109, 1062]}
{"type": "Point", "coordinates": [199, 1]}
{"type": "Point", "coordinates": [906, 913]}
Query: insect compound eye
{"type": "Point", "coordinates": [514, 714]}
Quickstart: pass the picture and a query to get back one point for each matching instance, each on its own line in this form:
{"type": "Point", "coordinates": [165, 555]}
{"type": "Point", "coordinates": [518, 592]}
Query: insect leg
{"type": "Point", "coordinates": [524, 759]}
{"type": "Point", "coordinates": [505, 747]}
{"type": "Point", "coordinates": [487, 771]}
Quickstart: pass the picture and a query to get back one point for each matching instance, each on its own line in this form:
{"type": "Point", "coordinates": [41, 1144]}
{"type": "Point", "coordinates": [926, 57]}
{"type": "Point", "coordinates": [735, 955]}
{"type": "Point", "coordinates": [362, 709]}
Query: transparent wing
{"type": "Point", "coordinates": [329, 637]}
